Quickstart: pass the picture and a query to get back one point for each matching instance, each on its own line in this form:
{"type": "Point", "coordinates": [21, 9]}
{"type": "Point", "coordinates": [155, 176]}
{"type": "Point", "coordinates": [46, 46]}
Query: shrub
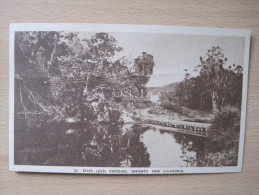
{"type": "Point", "coordinates": [142, 103]}
{"type": "Point", "coordinates": [227, 118]}
{"type": "Point", "coordinates": [157, 110]}
{"type": "Point", "coordinates": [225, 128]}
{"type": "Point", "coordinates": [223, 158]}
{"type": "Point", "coordinates": [114, 116]}
{"type": "Point", "coordinates": [172, 107]}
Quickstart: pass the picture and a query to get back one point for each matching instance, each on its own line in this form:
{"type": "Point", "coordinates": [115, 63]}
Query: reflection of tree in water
{"type": "Point", "coordinates": [109, 147]}
{"type": "Point", "coordinates": [138, 151]}
{"type": "Point", "coordinates": [190, 144]}
{"type": "Point", "coordinates": [101, 145]}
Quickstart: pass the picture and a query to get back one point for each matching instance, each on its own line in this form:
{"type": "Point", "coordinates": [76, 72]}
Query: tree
{"type": "Point", "coordinates": [223, 83]}
{"type": "Point", "coordinates": [211, 69]}
{"type": "Point", "coordinates": [143, 68]}
{"type": "Point", "coordinates": [39, 59]}
{"type": "Point", "coordinates": [86, 69]}
{"type": "Point", "coordinates": [37, 51]}
{"type": "Point", "coordinates": [101, 48]}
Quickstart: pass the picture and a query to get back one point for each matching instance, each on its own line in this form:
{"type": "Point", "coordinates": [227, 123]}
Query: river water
{"type": "Point", "coordinates": [167, 149]}
{"type": "Point", "coordinates": [109, 145]}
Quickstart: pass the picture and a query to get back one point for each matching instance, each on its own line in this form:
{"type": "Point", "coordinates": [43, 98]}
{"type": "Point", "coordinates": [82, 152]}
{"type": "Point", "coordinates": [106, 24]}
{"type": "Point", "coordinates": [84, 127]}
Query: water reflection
{"type": "Point", "coordinates": [168, 149]}
{"type": "Point", "coordinates": [112, 146]}
{"type": "Point", "coordinates": [117, 145]}
{"type": "Point", "coordinates": [108, 145]}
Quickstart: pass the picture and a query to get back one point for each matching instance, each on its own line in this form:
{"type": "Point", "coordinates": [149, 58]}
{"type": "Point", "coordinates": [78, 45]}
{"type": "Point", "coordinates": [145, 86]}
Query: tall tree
{"type": "Point", "coordinates": [222, 82]}
{"type": "Point", "coordinates": [143, 68]}
{"type": "Point", "coordinates": [210, 70]}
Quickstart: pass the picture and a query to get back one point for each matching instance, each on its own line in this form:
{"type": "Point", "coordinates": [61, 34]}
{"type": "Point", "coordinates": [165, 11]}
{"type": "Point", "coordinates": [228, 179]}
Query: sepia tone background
{"type": "Point", "coordinates": [203, 13]}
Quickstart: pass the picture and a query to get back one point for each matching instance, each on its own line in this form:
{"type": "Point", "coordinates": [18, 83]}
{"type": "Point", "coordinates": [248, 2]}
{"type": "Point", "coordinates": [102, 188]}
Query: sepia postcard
{"type": "Point", "coordinates": [127, 99]}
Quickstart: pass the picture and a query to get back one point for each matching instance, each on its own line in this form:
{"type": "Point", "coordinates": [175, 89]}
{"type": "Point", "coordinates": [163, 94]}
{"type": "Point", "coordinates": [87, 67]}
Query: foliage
{"type": "Point", "coordinates": [224, 83]}
{"type": "Point", "coordinates": [217, 85]}
{"type": "Point", "coordinates": [144, 64]}
{"type": "Point", "coordinates": [143, 68]}
{"type": "Point", "coordinates": [142, 103]}
{"type": "Point", "coordinates": [225, 128]}
{"type": "Point", "coordinates": [73, 95]}
{"type": "Point", "coordinates": [172, 107]}
{"type": "Point", "coordinates": [222, 147]}
{"type": "Point", "coordinates": [84, 81]}
{"type": "Point", "coordinates": [218, 159]}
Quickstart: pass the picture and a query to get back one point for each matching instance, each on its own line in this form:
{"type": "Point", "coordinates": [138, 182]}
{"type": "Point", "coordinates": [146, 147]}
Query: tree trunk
{"type": "Point", "coordinates": [201, 103]}
{"type": "Point", "coordinates": [142, 93]}
{"type": "Point", "coordinates": [214, 105]}
{"type": "Point", "coordinates": [53, 59]}
{"type": "Point", "coordinates": [86, 85]}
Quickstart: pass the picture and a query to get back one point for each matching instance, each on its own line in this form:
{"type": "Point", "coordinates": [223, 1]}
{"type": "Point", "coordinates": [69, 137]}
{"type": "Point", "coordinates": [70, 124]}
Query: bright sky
{"type": "Point", "coordinates": [174, 53]}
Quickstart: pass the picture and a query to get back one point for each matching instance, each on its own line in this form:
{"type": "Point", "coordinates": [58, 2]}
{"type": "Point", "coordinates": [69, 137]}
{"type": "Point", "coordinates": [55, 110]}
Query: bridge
{"type": "Point", "coordinates": [179, 128]}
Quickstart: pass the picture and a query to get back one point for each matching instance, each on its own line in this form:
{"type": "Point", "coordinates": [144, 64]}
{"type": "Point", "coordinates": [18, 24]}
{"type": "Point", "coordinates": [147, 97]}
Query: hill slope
{"type": "Point", "coordinates": [154, 92]}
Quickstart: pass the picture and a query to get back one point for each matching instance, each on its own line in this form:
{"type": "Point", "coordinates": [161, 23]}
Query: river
{"type": "Point", "coordinates": [109, 145]}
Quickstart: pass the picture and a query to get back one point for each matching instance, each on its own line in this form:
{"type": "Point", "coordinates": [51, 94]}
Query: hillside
{"type": "Point", "coordinates": [154, 92]}
{"type": "Point", "coordinates": [184, 114]}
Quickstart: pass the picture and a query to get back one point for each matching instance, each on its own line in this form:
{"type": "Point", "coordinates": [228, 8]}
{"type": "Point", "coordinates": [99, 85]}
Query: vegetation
{"type": "Point", "coordinates": [224, 135]}
{"type": "Point", "coordinates": [79, 78]}
{"type": "Point", "coordinates": [216, 88]}
{"type": "Point", "coordinates": [74, 85]}
{"type": "Point", "coordinates": [74, 97]}
{"type": "Point", "coordinates": [217, 85]}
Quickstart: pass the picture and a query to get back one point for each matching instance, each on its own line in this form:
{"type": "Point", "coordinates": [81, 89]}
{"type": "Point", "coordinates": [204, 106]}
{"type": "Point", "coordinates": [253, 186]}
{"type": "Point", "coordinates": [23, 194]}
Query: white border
{"type": "Point", "coordinates": [126, 28]}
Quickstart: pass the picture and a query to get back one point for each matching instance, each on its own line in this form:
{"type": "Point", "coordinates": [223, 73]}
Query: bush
{"type": "Point", "coordinates": [227, 118]}
{"type": "Point", "coordinates": [222, 147]}
{"type": "Point", "coordinates": [117, 99]}
{"type": "Point", "coordinates": [157, 110]}
{"type": "Point", "coordinates": [225, 128]}
{"type": "Point", "coordinates": [172, 107]}
{"type": "Point", "coordinates": [114, 116]}
{"type": "Point", "coordinates": [218, 159]}
{"type": "Point", "coordinates": [142, 103]}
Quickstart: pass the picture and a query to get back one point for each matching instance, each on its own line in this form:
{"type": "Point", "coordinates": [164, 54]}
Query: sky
{"type": "Point", "coordinates": [173, 53]}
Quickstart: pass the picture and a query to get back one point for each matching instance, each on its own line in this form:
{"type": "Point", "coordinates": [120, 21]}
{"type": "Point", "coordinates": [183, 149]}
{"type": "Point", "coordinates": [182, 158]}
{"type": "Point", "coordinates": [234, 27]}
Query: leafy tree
{"type": "Point", "coordinates": [143, 68]}
{"type": "Point", "coordinates": [37, 51]}
{"type": "Point", "coordinates": [85, 69]}
{"type": "Point", "coordinates": [220, 81]}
